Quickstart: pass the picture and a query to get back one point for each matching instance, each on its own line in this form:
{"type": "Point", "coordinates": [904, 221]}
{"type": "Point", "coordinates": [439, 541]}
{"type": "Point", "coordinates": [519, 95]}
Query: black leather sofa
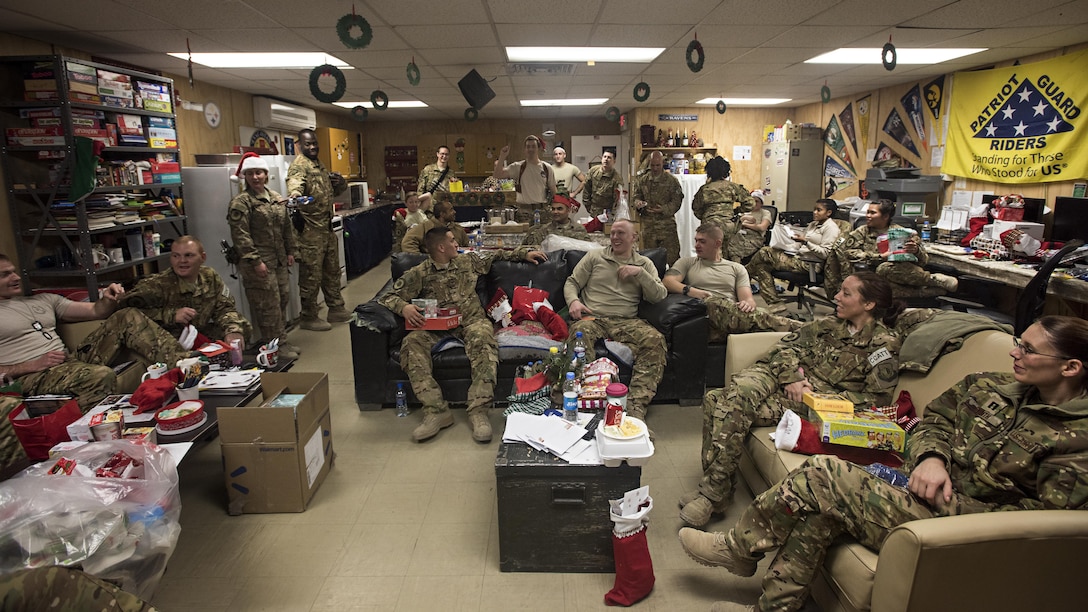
{"type": "Point", "coordinates": [376, 335]}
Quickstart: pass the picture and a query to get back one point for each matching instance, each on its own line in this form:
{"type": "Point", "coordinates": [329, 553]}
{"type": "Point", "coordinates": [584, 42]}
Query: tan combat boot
{"type": "Point", "coordinates": [433, 422]}
{"type": "Point", "coordinates": [338, 315]}
{"type": "Point", "coordinates": [481, 427]}
{"type": "Point", "coordinates": [714, 550]}
{"type": "Point", "coordinates": [314, 324]}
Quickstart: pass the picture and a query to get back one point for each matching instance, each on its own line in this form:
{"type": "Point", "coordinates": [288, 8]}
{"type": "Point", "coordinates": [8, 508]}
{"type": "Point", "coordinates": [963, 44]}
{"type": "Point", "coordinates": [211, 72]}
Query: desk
{"type": "Point", "coordinates": [1006, 272]}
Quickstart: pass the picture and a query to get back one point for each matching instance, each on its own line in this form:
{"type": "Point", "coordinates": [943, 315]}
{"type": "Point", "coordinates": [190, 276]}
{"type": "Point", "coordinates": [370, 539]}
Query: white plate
{"type": "Point", "coordinates": [641, 430]}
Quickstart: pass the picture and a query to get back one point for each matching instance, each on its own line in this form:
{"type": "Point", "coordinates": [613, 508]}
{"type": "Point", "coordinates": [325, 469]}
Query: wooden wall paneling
{"type": "Point", "coordinates": [487, 152]}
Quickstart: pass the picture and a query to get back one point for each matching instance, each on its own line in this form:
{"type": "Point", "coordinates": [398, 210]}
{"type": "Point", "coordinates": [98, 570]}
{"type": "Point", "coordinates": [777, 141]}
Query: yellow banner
{"type": "Point", "coordinates": [1020, 124]}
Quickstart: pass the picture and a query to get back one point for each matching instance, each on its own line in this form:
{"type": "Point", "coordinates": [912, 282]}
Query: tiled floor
{"type": "Point", "coordinates": [403, 526]}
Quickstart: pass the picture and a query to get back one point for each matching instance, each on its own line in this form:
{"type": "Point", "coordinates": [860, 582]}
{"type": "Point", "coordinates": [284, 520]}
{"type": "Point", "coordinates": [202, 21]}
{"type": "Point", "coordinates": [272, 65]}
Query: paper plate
{"type": "Point", "coordinates": [609, 434]}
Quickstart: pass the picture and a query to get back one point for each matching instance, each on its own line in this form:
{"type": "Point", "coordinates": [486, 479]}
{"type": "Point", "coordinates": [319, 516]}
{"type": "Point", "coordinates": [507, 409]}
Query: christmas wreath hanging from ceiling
{"type": "Point", "coordinates": [359, 113]}
{"type": "Point", "coordinates": [720, 107]}
{"type": "Point", "coordinates": [379, 99]}
{"type": "Point", "coordinates": [315, 85]}
{"type": "Point", "coordinates": [695, 47]}
{"type": "Point", "coordinates": [413, 73]}
{"type": "Point", "coordinates": [346, 23]}
{"type": "Point", "coordinates": [612, 113]}
{"type": "Point", "coordinates": [641, 92]}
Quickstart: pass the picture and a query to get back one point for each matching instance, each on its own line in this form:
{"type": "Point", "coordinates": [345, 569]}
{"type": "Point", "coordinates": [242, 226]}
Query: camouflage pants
{"type": "Point", "coordinates": [767, 260]}
{"type": "Point", "coordinates": [268, 299]}
{"type": "Point", "coordinates": [802, 515]}
{"type": "Point", "coordinates": [11, 450]}
{"type": "Point", "coordinates": [726, 318]}
{"type": "Point", "coordinates": [318, 269]}
{"type": "Point", "coordinates": [62, 588]}
{"type": "Point", "coordinates": [645, 342]}
{"type": "Point", "coordinates": [904, 276]}
{"type": "Point", "coordinates": [483, 357]}
{"type": "Point", "coordinates": [742, 244]}
{"type": "Point", "coordinates": [753, 398]}
{"type": "Point", "coordinates": [662, 235]}
{"type": "Point", "coordinates": [88, 375]}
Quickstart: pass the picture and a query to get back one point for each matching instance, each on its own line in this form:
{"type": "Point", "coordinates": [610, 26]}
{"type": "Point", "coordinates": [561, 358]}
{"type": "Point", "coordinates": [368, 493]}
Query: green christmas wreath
{"type": "Point", "coordinates": [485, 199]}
{"type": "Point", "coordinates": [825, 94]}
{"type": "Point", "coordinates": [720, 107]}
{"type": "Point", "coordinates": [612, 114]}
{"type": "Point", "coordinates": [696, 47]}
{"type": "Point", "coordinates": [473, 198]}
{"type": "Point", "coordinates": [471, 114]}
{"type": "Point", "coordinates": [315, 87]}
{"type": "Point", "coordinates": [642, 92]}
{"type": "Point", "coordinates": [343, 30]}
{"type": "Point", "coordinates": [379, 99]}
{"type": "Point", "coordinates": [359, 113]}
{"type": "Point", "coordinates": [889, 62]}
{"type": "Point", "coordinates": [413, 74]}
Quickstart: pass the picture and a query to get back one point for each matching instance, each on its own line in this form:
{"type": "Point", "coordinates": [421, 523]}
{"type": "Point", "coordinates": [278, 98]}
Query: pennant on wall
{"type": "Point", "coordinates": [912, 103]}
{"type": "Point", "coordinates": [846, 118]}
{"type": "Point", "coordinates": [834, 168]}
{"type": "Point", "coordinates": [894, 127]}
{"type": "Point", "coordinates": [833, 185]}
{"type": "Point", "coordinates": [1020, 124]}
{"type": "Point", "coordinates": [833, 139]}
{"type": "Point", "coordinates": [934, 96]}
{"type": "Point", "coordinates": [888, 159]}
{"type": "Point", "coordinates": [863, 120]}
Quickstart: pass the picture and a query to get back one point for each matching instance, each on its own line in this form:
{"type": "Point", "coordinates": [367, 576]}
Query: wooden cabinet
{"type": "Point", "coordinates": [335, 149]}
{"type": "Point", "coordinates": [487, 151]}
{"type": "Point", "coordinates": [401, 167]}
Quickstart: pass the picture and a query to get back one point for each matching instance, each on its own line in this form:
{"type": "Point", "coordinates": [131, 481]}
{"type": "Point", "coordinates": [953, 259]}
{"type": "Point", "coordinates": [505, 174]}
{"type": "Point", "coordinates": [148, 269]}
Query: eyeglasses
{"type": "Point", "coordinates": [37, 325]}
{"type": "Point", "coordinates": [1025, 349]}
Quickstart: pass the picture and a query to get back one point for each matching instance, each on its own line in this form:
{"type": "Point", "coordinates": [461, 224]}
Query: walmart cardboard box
{"type": "Point", "coordinates": [275, 458]}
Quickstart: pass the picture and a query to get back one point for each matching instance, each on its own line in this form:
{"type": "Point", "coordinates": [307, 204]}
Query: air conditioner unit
{"type": "Point", "coordinates": [269, 113]}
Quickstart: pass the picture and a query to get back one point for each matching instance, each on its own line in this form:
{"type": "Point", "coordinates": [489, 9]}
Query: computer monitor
{"type": "Point", "coordinates": [1033, 207]}
{"type": "Point", "coordinates": [1070, 219]}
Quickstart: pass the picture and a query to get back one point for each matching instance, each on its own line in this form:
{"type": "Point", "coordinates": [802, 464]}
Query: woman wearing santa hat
{"type": "Point", "coordinates": [261, 229]}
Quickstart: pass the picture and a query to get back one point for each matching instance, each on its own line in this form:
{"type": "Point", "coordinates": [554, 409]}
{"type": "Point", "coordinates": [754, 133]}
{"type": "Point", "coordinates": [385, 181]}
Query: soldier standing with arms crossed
{"type": "Point", "coordinates": [657, 198]}
{"type": "Point", "coordinates": [319, 259]}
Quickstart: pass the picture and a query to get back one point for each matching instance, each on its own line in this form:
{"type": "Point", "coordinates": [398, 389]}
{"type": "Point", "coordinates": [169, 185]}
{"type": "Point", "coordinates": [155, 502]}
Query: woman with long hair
{"type": "Point", "coordinates": [720, 201]}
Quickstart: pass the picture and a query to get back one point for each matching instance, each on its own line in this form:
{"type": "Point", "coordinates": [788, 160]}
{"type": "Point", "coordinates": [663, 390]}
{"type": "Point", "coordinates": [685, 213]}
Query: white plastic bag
{"type": "Point", "coordinates": [123, 530]}
{"type": "Point", "coordinates": [782, 239]}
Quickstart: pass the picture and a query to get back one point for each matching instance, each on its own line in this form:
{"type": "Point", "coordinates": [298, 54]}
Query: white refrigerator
{"type": "Point", "coordinates": [208, 192]}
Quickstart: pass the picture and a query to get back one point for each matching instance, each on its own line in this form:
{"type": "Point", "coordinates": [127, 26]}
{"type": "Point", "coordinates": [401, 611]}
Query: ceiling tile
{"type": "Point", "coordinates": [543, 13]}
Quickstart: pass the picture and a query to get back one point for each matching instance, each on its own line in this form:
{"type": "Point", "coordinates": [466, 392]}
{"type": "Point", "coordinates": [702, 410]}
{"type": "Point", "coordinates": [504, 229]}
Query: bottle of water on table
{"type": "Point", "coordinates": [402, 401]}
{"type": "Point", "coordinates": [570, 399]}
{"type": "Point", "coordinates": [927, 231]}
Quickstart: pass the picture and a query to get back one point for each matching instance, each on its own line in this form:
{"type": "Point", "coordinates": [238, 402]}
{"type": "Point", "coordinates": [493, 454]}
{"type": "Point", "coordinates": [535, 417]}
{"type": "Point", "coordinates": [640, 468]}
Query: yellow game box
{"type": "Point", "coordinates": [828, 402]}
{"type": "Point", "coordinates": [861, 429]}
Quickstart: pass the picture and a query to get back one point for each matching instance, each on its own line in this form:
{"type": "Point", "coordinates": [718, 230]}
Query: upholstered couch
{"type": "Point", "coordinates": [376, 334]}
{"type": "Point", "coordinates": [994, 562]}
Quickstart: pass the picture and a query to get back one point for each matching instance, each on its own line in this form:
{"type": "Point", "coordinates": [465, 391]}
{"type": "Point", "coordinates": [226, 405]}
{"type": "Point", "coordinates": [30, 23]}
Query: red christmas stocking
{"type": "Point", "coordinates": [554, 323]}
{"type": "Point", "coordinates": [634, 570]}
{"type": "Point", "coordinates": [797, 435]}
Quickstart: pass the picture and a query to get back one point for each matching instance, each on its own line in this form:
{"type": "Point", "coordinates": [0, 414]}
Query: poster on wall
{"type": "Point", "coordinates": [894, 127]}
{"type": "Point", "coordinates": [912, 103]}
{"type": "Point", "coordinates": [1020, 124]}
{"type": "Point", "coordinates": [846, 119]}
{"type": "Point", "coordinates": [863, 120]}
{"type": "Point", "coordinates": [833, 139]}
{"type": "Point", "coordinates": [833, 185]}
{"type": "Point", "coordinates": [934, 96]}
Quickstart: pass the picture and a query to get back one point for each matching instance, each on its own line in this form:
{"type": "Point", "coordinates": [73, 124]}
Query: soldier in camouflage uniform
{"type": "Point", "coordinates": [560, 225]}
{"type": "Point", "coordinates": [751, 232]}
{"type": "Point", "coordinates": [189, 293]}
{"type": "Point", "coordinates": [63, 588]}
{"type": "Point", "coordinates": [603, 293]}
{"type": "Point", "coordinates": [319, 257]}
{"type": "Point", "coordinates": [445, 216]}
{"type": "Point", "coordinates": [720, 201]}
{"type": "Point", "coordinates": [435, 178]}
{"type": "Point", "coordinates": [261, 230]}
{"type": "Point", "coordinates": [815, 243]}
{"type": "Point", "coordinates": [724, 286]}
{"type": "Point", "coordinates": [32, 353]}
{"type": "Point", "coordinates": [853, 354]}
{"type": "Point", "coordinates": [994, 442]}
{"type": "Point", "coordinates": [450, 279]}
{"type": "Point", "coordinates": [657, 197]}
{"type": "Point", "coordinates": [859, 249]}
{"type": "Point", "coordinates": [601, 184]}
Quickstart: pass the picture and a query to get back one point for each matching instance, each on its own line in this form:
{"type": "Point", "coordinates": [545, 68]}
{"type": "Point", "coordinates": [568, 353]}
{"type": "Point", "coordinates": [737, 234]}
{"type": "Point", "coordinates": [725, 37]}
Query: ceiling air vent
{"type": "Point", "coordinates": [539, 69]}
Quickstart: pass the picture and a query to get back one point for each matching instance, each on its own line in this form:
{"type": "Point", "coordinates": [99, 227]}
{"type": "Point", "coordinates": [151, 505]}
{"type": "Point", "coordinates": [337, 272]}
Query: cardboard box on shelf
{"type": "Point", "coordinates": [861, 429]}
{"type": "Point", "coordinates": [275, 458]}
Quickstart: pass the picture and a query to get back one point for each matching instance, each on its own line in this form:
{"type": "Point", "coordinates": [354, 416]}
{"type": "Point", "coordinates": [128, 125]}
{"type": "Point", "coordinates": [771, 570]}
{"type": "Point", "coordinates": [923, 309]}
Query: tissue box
{"type": "Point", "coordinates": [861, 429]}
{"type": "Point", "coordinates": [1035, 230]}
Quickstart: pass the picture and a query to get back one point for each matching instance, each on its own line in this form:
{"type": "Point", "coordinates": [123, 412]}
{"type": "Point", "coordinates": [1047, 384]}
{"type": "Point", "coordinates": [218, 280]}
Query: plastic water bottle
{"type": "Point", "coordinates": [889, 475]}
{"type": "Point", "coordinates": [536, 217]}
{"type": "Point", "coordinates": [479, 239]}
{"type": "Point", "coordinates": [570, 399]}
{"type": "Point", "coordinates": [402, 401]}
{"type": "Point", "coordinates": [927, 232]}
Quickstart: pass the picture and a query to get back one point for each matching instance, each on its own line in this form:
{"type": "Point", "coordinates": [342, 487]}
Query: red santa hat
{"type": "Point", "coordinates": [250, 161]}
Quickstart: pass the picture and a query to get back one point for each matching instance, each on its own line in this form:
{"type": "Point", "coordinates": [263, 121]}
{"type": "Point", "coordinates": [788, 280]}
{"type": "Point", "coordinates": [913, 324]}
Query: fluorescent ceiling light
{"type": "Point", "coordinates": [634, 55]}
{"type": "Point", "coordinates": [566, 102]}
{"type": "Point", "coordinates": [745, 101]}
{"type": "Point", "coordinates": [263, 60]}
{"type": "Point", "coordinates": [392, 104]}
{"type": "Point", "coordinates": [903, 55]}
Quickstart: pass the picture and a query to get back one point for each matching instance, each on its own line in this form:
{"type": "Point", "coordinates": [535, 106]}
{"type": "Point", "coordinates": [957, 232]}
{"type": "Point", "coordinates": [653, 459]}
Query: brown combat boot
{"type": "Point", "coordinates": [433, 422]}
{"type": "Point", "coordinates": [715, 550]}
{"type": "Point", "coordinates": [689, 497]}
{"type": "Point", "coordinates": [314, 324]}
{"type": "Point", "coordinates": [481, 427]}
{"type": "Point", "coordinates": [338, 315]}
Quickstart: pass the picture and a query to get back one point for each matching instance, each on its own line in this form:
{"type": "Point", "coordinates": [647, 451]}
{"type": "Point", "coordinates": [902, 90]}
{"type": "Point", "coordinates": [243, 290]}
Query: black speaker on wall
{"type": "Point", "coordinates": [475, 90]}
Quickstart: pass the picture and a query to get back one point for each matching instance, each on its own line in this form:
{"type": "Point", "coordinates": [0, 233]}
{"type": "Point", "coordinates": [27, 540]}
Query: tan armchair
{"type": "Point", "coordinates": [1008, 561]}
{"type": "Point", "coordinates": [72, 334]}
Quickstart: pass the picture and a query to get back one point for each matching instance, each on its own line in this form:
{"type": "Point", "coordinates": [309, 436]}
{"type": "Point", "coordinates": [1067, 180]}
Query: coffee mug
{"type": "Point", "coordinates": [98, 254]}
{"type": "Point", "coordinates": [268, 358]}
{"type": "Point", "coordinates": [190, 393]}
{"type": "Point", "coordinates": [116, 254]}
{"type": "Point", "coordinates": [154, 370]}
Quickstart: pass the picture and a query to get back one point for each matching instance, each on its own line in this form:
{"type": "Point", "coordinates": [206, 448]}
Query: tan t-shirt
{"type": "Point", "coordinates": [720, 278]}
{"type": "Point", "coordinates": [564, 177]}
{"type": "Point", "coordinates": [535, 182]}
{"type": "Point", "coordinates": [19, 341]}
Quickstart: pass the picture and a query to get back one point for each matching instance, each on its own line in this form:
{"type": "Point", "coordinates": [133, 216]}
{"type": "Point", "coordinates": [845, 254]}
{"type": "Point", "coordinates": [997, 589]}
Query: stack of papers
{"type": "Point", "coordinates": [230, 383]}
{"type": "Point", "coordinates": [554, 435]}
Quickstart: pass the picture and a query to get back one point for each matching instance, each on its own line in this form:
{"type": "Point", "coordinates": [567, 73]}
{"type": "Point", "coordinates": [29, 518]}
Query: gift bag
{"type": "Point", "coordinates": [39, 434]}
{"type": "Point", "coordinates": [782, 239]}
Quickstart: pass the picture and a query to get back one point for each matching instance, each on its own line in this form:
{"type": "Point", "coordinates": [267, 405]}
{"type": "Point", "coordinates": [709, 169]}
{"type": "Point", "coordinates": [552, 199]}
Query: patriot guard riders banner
{"type": "Point", "coordinates": [1020, 124]}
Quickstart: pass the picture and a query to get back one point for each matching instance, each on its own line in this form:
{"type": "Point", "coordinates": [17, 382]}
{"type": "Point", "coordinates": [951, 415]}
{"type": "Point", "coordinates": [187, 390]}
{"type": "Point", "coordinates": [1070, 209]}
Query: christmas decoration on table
{"type": "Point", "coordinates": [1008, 207]}
{"type": "Point", "coordinates": [695, 47]}
{"type": "Point", "coordinates": [315, 87]}
{"type": "Point", "coordinates": [344, 26]}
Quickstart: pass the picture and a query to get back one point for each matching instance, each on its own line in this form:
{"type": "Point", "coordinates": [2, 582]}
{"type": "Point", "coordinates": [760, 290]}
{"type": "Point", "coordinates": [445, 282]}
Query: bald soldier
{"type": "Point", "coordinates": [657, 198]}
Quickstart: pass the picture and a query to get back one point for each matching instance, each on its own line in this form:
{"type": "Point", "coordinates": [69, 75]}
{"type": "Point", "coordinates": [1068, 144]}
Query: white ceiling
{"type": "Point", "coordinates": [753, 48]}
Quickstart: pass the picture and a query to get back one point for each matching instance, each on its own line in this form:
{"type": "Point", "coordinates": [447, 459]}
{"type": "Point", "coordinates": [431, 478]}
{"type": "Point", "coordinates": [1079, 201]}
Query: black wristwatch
{"type": "Point", "coordinates": [687, 289]}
